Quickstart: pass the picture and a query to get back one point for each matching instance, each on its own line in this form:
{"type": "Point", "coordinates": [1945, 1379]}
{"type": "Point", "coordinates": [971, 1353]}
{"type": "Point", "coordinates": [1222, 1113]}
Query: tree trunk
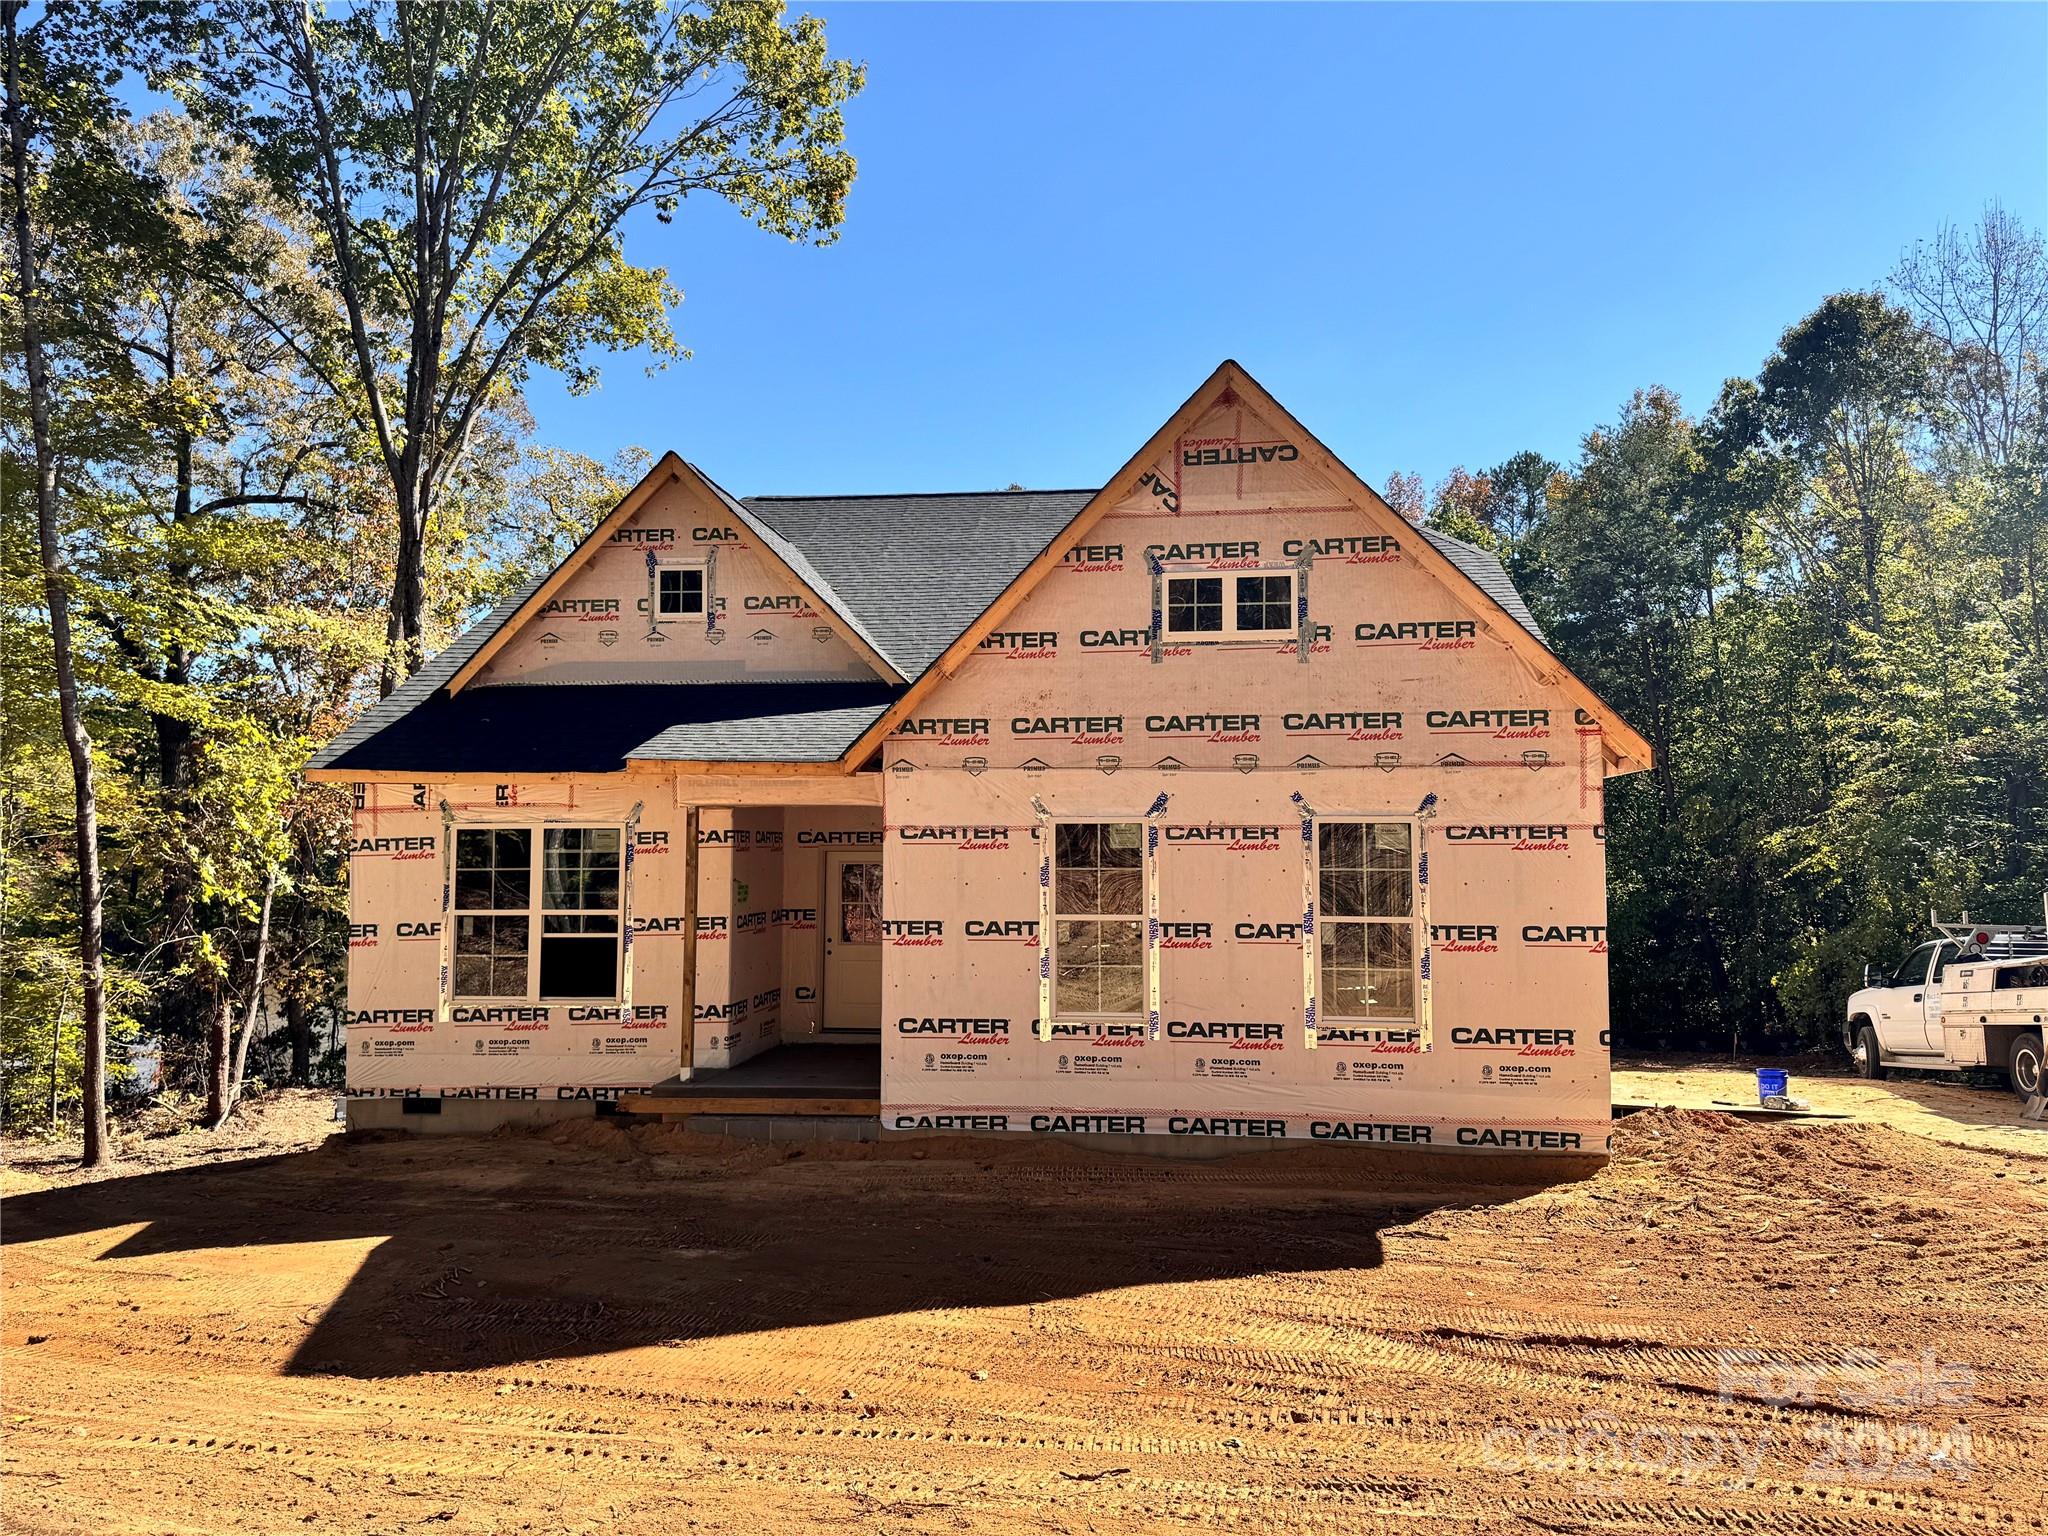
{"type": "Point", "coordinates": [412, 576]}
{"type": "Point", "coordinates": [56, 595]}
{"type": "Point", "coordinates": [249, 1015]}
{"type": "Point", "coordinates": [299, 1030]}
{"type": "Point", "coordinates": [217, 1061]}
{"type": "Point", "coordinates": [1871, 537]}
{"type": "Point", "coordinates": [174, 734]}
{"type": "Point", "coordinates": [404, 650]}
{"type": "Point", "coordinates": [56, 1057]}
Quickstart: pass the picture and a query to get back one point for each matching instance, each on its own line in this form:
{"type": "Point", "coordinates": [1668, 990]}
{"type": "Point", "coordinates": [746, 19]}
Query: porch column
{"type": "Point", "coordinates": [689, 1020]}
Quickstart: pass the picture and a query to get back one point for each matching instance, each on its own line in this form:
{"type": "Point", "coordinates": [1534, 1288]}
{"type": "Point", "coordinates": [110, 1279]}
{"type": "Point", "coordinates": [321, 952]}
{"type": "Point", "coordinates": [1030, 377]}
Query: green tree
{"type": "Point", "coordinates": [1840, 398]}
{"type": "Point", "coordinates": [471, 166]}
{"type": "Point", "coordinates": [1815, 602]}
{"type": "Point", "coordinates": [1499, 509]}
{"type": "Point", "coordinates": [60, 183]}
{"type": "Point", "coordinates": [227, 556]}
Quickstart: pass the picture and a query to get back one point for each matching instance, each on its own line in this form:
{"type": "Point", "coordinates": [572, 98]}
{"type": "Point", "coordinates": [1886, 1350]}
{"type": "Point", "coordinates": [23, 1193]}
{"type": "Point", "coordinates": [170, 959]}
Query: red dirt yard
{"type": "Point", "coordinates": [1807, 1328]}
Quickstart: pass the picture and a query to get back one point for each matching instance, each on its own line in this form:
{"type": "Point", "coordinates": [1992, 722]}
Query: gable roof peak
{"type": "Point", "coordinates": [1230, 382]}
{"type": "Point", "coordinates": [672, 468]}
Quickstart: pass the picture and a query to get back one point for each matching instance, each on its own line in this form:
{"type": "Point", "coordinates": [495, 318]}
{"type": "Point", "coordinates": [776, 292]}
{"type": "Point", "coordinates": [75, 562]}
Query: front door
{"type": "Point", "coordinates": [853, 944]}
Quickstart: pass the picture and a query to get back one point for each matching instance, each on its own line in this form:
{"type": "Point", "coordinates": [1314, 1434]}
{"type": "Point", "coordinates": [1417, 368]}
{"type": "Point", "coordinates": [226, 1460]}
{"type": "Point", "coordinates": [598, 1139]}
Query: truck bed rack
{"type": "Point", "coordinates": [1994, 941]}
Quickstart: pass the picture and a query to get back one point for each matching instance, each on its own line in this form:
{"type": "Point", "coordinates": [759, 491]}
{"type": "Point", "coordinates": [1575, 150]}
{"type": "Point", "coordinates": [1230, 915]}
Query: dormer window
{"type": "Point", "coordinates": [1230, 606]}
{"type": "Point", "coordinates": [679, 591]}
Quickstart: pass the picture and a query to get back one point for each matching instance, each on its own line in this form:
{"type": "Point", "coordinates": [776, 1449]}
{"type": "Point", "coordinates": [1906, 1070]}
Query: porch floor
{"type": "Point", "coordinates": [788, 1072]}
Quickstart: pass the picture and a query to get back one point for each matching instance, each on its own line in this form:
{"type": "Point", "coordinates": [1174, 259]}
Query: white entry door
{"type": "Point", "coordinates": [853, 944]}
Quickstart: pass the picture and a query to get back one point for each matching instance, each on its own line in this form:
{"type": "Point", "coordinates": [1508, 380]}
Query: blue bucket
{"type": "Point", "coordinates": [1770, 1083]}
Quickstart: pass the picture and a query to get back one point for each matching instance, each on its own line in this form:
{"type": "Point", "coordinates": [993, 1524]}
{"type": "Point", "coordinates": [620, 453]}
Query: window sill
{"type": "Point", "coordinates": [536, 1002]}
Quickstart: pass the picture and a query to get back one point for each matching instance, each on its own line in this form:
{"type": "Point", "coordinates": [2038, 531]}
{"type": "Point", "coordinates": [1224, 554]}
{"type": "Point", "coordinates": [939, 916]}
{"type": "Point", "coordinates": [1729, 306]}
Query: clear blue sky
{"type": "Point", "coordinates": [1440, 234]}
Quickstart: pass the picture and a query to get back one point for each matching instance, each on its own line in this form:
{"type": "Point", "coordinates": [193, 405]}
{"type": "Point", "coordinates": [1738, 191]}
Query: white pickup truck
{"type": "Point", "coordinates": [1973, 997]}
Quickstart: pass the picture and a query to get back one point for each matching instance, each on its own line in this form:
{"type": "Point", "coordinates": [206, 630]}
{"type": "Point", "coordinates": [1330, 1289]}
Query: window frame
{"type": "Point", "coordinates": [836, 904]}
{"type": "Point", "coordinates": [1946, 954]}
{"type": "Point", "coordinates": [536, 912]}
{"type": "Point", "coordinates": [680, 568]}
{"type": "Point", "coordinates": [1925, 954]}
{"type": "Point", "coordinates": [1418, 937]}
{"type": "Point", "coordinates": [1137, 917]}
{"type": "Point", "coordinates": [659, 567]}
{"type": "Point", "coordinates": [1230, 629]}
{"type": "Point", "coordinates": [492, 914]}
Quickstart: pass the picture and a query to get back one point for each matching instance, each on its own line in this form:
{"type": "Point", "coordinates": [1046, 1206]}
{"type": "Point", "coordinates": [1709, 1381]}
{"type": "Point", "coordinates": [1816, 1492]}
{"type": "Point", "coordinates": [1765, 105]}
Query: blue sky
{"type": "Point", "coordinates": [1439, 234]}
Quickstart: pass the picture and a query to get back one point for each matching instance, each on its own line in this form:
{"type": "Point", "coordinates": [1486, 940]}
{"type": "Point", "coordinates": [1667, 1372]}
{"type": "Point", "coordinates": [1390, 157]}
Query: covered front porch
{"type": "Point", "coordinates": [782, 964]}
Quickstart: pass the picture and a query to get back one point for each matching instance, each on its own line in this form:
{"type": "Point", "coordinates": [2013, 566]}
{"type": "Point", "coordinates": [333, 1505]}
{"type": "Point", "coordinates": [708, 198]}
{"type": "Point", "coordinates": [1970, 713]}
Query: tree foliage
{"type": "Point", "coordinates": [287, 331]}
{"type": "Point", "coordinates": [470, 167]}
{"type": "Point", "coordinates": [1822, 604]}
{"type": "Point", "coordinates": [229, 551]}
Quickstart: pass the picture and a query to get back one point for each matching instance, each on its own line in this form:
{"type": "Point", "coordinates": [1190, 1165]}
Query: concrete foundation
{"type": "Point", "coordinates": [788, 1128]}
{"type": "Point", "coordinates": [462, 1117]}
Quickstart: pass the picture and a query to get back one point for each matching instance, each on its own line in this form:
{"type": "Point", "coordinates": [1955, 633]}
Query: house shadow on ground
{"type": "Point", "coordinates": [510, 1249]}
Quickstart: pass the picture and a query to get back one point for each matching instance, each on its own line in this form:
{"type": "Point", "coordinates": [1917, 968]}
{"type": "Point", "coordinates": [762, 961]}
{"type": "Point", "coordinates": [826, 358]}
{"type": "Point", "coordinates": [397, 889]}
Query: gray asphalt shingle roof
{"type": "Point", "coordinates": [426, 682]}
{"type": "Point", "coordinates": [1488, 574]}
{"type": "Point", "coordinates": [924, 567]}
{"type": "Point", "coordinates": [909, 573]}
{"type": "Point", "coordinates": [800, 736]}
{"type": "Point", "coordinates": [921, 568]}
{"type": "Point", "coordinates": [806, 572]}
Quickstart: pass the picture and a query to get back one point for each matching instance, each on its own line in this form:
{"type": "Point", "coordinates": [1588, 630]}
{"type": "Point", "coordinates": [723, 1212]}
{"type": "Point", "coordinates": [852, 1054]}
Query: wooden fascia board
{"type": "Point", "coordinates": [668, 468]}
{"type": "Point", "coordinates": [441, 776]}
{"type": "Point", "coordinates": [1022, 584]}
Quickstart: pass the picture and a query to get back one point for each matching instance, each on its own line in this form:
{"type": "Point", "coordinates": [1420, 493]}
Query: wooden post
{"type": "Point", "coordinates": [689, 1022]}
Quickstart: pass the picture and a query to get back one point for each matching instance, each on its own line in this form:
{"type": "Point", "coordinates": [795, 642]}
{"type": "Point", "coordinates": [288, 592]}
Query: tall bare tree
{"type": "Point", "coordinates": [1981, 294]}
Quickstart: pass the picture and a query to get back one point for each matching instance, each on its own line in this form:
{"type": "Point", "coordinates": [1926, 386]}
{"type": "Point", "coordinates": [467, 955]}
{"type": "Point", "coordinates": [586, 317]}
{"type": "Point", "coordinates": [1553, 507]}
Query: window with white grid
{"type": "Point", "coordinates": [1365, 906]}
{"type": "Point", "coordinates": [1098, 910]}
{"type": "Point", "coordinates": [556, 896]}
{"type": "Point", "coordinates": [1230, 606]}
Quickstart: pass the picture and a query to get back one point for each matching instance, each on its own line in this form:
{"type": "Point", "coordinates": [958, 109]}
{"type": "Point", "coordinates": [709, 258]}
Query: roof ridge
{"type": "Point", "coordinates": [1071, 490]}
{"type": "Point", "coordinates": [1429, 532]}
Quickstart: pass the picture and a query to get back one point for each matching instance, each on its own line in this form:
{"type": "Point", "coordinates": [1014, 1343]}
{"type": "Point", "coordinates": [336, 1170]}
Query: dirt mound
{"type": "Point", "coordinates": [1859, 1207]}
{"type": "Point", "coordinates": [1697, 1141]}
{"type": "Point", "coordinates": [1941, 1107]}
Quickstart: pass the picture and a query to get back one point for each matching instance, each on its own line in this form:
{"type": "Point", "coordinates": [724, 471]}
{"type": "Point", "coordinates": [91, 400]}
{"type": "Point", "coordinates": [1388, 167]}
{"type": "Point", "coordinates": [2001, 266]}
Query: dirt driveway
{"type": "Point", "coordinates": [1932, 1104]}
{"type": "Point", "coordinates": [1812, 1329]}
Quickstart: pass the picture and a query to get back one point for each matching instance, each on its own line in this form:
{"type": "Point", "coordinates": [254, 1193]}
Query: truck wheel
{"type": "Point", "coordinates": [2025, 1065]}
{"type": "Point", "coordinates": [1867, 1062]}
